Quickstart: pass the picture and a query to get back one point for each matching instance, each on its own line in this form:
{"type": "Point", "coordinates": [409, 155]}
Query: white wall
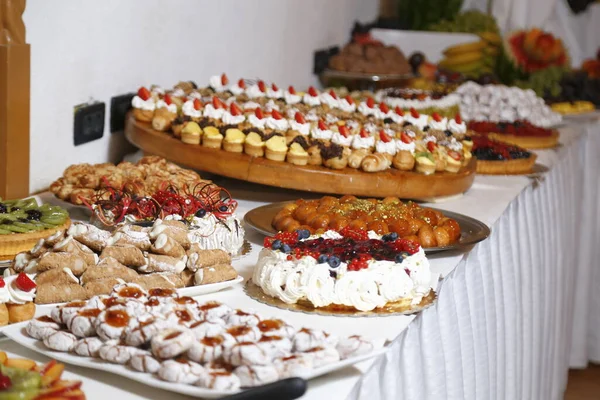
{"type": "Point", "coordinates": [82, 49]}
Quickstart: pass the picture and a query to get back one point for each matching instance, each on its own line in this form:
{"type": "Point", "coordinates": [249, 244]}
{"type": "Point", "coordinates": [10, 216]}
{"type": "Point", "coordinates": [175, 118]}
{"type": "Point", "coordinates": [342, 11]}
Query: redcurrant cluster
{"type": "Point", "coordinates": [355, 234]}
{"type": "Point", "coordinates": [359, 263]}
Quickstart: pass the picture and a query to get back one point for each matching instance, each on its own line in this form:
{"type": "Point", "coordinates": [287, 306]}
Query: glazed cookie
{"type": "Point", "coordinates": [172, 342]}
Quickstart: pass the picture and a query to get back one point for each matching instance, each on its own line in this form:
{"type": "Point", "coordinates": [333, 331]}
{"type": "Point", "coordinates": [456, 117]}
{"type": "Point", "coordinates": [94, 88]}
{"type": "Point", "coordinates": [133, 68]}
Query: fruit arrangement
{"type": "Point", "coordinates": [545, 82]}
{"type": "Point", "coordinates": [23, 379]}
{"type": "Point", "coordinates": [23, 216]}
{"type": "Point", "coordinates": [592, 66]}
{"type": "Point", "coordinates": [471, 21]}
{"type": "Point", "coordinates": [579, 93]}
{"type": "Point", "coordinates": [420, 15]}
{"type": "Point", "coordinates": [475, 58]}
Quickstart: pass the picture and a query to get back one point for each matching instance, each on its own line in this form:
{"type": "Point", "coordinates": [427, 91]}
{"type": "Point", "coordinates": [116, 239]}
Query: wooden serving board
{"type": "Point", "coordinates": [407, 185]}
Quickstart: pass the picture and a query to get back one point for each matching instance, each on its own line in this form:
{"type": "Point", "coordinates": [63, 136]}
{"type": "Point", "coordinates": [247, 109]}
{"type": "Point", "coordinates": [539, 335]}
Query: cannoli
{"type": "Point", "coordinates": [107, 268]}
{"type": "Point", "coordinates": [74, 262]}
{"type": "Point", "coordinates": [167, 246]}
{"type": "Point", "coordinates": [174, 229]}
{"type": "Point", "coordinates": [160, 280]}
{"type": "Point", "coordinates": [94, 238]}
{"type": "Point", "coordinates": [21, 261]}
{"type": "Point", "coordinates": [52, 293]}
{"type": "Point", "coordinates": [160, 263]}
{"type": "Point", "coordinates": [187, 277]}
{"type": "Point", "coordinates": [40, 248]}
{"type": "Point", "coordinates": [130, 236]}
{"type": "Point", "coordinates": [206, 258]}
{"type": "Point", "coordinates": [214, 274]}
{"type": "Point", "coordinates": [100, 286]}
{"type": "Point", "coordinates": [70, 245]}
{"type": "Point", "coordinates": [356, 157]}
{"type": "Point", "coordinates": [127, 255]}
{"type": "Point", "coordinates": [58, 276]}
{"type": "Point", "coordinates": [404, 160]}
{"type": "Point", "coordinates": [54, 238]}
{"type": "Point", "coordinates": [376, 162]}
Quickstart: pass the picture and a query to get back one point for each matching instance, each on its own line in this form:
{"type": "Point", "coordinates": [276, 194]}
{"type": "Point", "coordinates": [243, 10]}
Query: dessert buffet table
{"type": "Point", "coordinates": [512, 314]}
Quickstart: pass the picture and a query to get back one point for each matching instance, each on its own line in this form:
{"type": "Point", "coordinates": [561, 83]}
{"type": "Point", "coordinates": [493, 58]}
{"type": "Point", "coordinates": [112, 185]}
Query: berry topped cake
{"type": "Point", "coordinates": [353, 270]}
{"type": "Point", "coordinates": [519, 133]}
{"type": "Point", "coordinates": [498, 158]}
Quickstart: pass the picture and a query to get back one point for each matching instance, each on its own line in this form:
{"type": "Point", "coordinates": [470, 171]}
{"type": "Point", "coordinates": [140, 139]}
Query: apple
{"type": "Point", "coordinates": [20, 363]}
{"type": "Point", "coordinates": [52, 374]}
{"type": "Point", "coordinates": [59, 389]}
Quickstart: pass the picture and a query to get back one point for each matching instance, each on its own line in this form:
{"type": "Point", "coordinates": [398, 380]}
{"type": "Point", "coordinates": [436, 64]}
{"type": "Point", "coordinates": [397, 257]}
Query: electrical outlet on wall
{"type": "Point", "coordinates": [89, 122]}
{"type": "Point", "coordinates": [119, 106]}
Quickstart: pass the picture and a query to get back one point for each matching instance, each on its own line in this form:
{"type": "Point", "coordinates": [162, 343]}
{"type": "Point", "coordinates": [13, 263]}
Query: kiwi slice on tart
{"type": "Point", "coordinates": [23, 222]}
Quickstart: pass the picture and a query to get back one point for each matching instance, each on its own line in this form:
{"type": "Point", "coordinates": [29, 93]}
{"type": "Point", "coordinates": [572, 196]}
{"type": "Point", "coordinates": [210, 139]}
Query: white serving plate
{"type": "Point", "coordinates": [17, 333]}
{"type": "Point", "coordinates": [44, 309]}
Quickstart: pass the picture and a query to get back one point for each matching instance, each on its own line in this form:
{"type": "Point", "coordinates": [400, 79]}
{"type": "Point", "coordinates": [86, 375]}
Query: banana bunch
{"type": "Point", "coordinates": [475, 58]}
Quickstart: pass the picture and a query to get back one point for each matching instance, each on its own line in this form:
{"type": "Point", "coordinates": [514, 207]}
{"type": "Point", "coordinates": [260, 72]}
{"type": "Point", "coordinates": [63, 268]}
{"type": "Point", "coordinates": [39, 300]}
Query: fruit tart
{"type": "Point", "coordinates": [498, 158]}
{"type": "Point", "coordinates": [24, 222]}
{"type": "Point", "coordinates": [24, 379]}
{"type": "Point", "coordinates": [424, 226]}
{"type": "Point", "coordinates": [519, 133]}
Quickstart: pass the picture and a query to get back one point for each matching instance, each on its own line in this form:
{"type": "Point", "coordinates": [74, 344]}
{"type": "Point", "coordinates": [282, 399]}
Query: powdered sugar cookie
{"type": "Point", "coordinates": [180, 371]}
{"type": "Point", "coordinates": [244, 333]}
{"type": "Point", "coordinates": [111, 323]}
{"type": "Point", "coordinates": [41, 327]}
{"type": "Point", "coordinates": [256, 375]}
{"type": "Point", "coordinates": [294, 365]}
{"type": "Point", "coordinates": [323, 355]}
{"type": "Point", "coordinates": [145, 330]}
{"type": "Point", "coordinates": [247, 354]}
{"type": "Point", "coordinates": [115, 353]}
{"type": "Point", "coordinates": [204, 328]}
{"type": "Point", "coordinates": [209, 349]}
{"type": "Point", "coordinates": [306, 339]}
{"type": "Point", "coordinates": [219, 379]}
{"type": "Point", "coordinates": [276, 327]}
{"type": "Point", "coordinates": [239, 317]}
{"type": "Point", "coordinates": [88, 347]}
{"type": "Point", "coordinates": [130, 291]}
{"type": "Point", "coordinates": [354, 346]}
{"type": "Point", "coordinates": [83, 324]}
{"type": "Point", "coordinates": [144, 362]}
{"type": "Point", "coordinates": [63, 314]}
{"type": "Point", "coordinates": [277, 346]}
{"type": "Point", "coordinates": [214, 310]}
{"type": "Point", "coordinates": [172, 342]}
{"type": "Point", "coordinates": [60, 341]}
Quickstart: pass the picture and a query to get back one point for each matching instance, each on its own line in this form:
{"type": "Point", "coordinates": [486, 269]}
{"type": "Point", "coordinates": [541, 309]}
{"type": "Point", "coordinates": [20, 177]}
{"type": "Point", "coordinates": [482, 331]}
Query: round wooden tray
{"type": "Point", "coordinates": [408, 185]}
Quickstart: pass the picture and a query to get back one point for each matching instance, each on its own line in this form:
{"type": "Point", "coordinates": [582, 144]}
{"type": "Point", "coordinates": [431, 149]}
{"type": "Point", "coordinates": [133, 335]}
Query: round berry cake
{"type": "Point", "coordinates": [353, 270]}
{"type": "Point", "coordinates": [498, 158]}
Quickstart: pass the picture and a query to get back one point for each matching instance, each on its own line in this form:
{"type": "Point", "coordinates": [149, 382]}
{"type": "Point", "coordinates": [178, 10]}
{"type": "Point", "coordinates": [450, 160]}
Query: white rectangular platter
{"type": "Point", "coordinates": [17, 333]}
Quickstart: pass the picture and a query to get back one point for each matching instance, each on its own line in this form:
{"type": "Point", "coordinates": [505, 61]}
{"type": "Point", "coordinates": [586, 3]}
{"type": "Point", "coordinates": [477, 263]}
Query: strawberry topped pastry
{"type": "Point", "coordinates": [143, 104]}
{"type": "Point", "coordinates": [499, 158]}
{"type": "Point", "coordinates": [520, 133]}
{"type": "Point", "coordinates": [16, 298]}
{"type": "Point", "coordinates": [346, 271]}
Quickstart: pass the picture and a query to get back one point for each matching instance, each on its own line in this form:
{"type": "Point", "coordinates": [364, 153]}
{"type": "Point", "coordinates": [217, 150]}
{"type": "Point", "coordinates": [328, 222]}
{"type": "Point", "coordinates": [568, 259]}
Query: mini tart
{"type": "Point", "coordinates": [507, 167]}
{"type": "Point", "coordinates": [527, 142]}
{"type": "Point", "coordinates": [191, 133]}
{"type": "Point", "coordinates": [424, 163]}
{"type": "Point", "coordinates": [212, 138]}
{"type": "Point", "coordinates": [234, 140]}
{"type": "Point", "coordinates": [13, 244]}
{"type": "Point", "coordinates": [275, 148]}
{"type": "Point", "coordinates": [297, 155]}
{"type": "Point", "coordinates": [254, 145]}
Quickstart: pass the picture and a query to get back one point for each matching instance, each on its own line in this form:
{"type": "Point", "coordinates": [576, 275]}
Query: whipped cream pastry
{"type": "Point", "coordinates": [361, 270]}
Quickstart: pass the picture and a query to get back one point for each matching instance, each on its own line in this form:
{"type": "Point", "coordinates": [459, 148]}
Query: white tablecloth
{"type": "Point", "coordinates": [507, 310]}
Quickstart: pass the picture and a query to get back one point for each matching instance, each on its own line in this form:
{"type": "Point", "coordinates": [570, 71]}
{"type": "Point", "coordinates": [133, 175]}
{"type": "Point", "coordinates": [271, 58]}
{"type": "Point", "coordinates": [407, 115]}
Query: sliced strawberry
{"type": "Point", "coordinates": [168, 99]}
{"type": "Point", "coordinates": [242, 84]}
{"type": "Point", "coordinates": [436, 117]}
{"type": "Point", "coordinates": [197, 104]}
{"type": "Point", "coordinates": [454, 154]}
{"type": "Point", "coordinates": [344, 131]}
{"type": "Point", "coordinates": [259, 113]}
{"type": "Point", "coordinates": [364, 134]}
{"type": "Point", "coordinates": [384, 138]}
{"type": "Point", "coordinates": [370, 102]}
{"type": "Point", "coordinates": [276, 114]}
{"type": "Point", "coordinates": [224, 80]}
{"type": "Point", "coordinates": [405, 138]}
{"type": "Point", "coordinates": [458, 119]}
{"type": "Point", "coordinates": [322, 125]}
{"type": "Point", "coordinates": [143, 93]}
{"type": "Point", "coordinates": [332, 94]}
{"type": "Point", "coordinates": [398, 111]}
{"type": "Point", "coordinates": [262, 86]}
{"type": "Point", "coordinates": [2, 283]}
{"type": "Point", "coordinates": [431, 146]}
{"type": "Point", "coordinates": [274, 87]}
{"type": "Point", "coordinates": [292, 90]}
{"type": "Point", "coordinates": [349, 99]}
{"type": "Point", "coordinates": [234, 109]}
{"type": "Point", "coordinates": [24, 283]}
{"type": "Point", "coordinates": [217, 103]}
{"type": "Point", "coordinates": [299, 118]}
{"type": "Point", "coordinates": [312, 91]}
{"type": "Point", "coordinates": [414, 113]}
{"type": "Point", "coordinates": [384, 108]}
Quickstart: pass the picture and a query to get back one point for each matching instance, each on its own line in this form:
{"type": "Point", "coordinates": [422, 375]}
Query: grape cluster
{"type": "Point", "coordinates": [545, 82]}
{"type": "Point", "coordinates": [472, 21]}
{"type": "Point", "coordinates": [578, 86]}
